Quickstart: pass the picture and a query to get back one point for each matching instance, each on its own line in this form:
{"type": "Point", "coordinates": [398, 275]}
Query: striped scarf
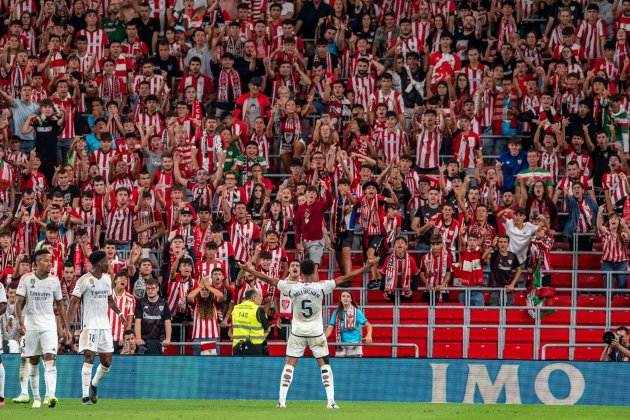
{"type": "Point", "coordinates": [394, 266]}
{"type": "Point", "coordinates": [229, 78]}
{"type": "Point", "coordinates": [369, 216]}
{"type": "Point", "coordinates": [111, 88]}
{"type": "Point", "coordinates": [349, 322]}
{"type": "Point", "coordinates": [81, 262]}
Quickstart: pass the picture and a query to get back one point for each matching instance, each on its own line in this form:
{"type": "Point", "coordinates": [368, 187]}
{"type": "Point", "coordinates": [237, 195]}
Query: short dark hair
{"type": "Point", "coordinates": [307, 267]}
{"type": "Point", "coordinates": [250, 294]}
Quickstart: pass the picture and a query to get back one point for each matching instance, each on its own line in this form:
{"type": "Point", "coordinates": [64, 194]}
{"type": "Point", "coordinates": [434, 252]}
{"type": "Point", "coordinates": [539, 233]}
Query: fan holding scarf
{"type": "Point", "coordinates": [347, 320]}
{"type": "Point", "coordinates": [400, 270]}
{"type": "Point", "coordinates": [227, 81]}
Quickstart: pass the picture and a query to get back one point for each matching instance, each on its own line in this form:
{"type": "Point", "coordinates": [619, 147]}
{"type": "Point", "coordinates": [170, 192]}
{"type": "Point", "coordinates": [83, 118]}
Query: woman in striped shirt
{"type": "Point", "coordinates": [614, 236]}
{"type": "Point", "coordinates": [205, 326]}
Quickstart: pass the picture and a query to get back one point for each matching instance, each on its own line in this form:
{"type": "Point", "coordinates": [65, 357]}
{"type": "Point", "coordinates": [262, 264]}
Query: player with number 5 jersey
{"type": "Point", "coordinates": [307, 327]}
{"type": "Point", "coordinates": [93, 291]}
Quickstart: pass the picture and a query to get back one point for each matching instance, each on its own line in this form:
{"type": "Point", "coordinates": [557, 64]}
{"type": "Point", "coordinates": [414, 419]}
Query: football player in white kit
{"type": "Point", "coordinates": [93, 292]}
{"type": "Point", "coordinates": [37, 293]}
{"type": "Point", "coordinates": [307, 326]}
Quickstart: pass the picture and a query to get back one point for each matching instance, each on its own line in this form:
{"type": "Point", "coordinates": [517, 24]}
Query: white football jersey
{"type": "Point", "coordinates": [94, 294]}
{"type": "Point", "coordinates": [307, 299]}
{"type": "Point", "coordinates": [40, 296]}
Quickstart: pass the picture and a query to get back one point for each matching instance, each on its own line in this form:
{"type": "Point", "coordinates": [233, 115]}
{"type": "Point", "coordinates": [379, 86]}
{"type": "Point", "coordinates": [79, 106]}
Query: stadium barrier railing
{"type": "Point", "coordinates": [543, 352]}
{"type": "Point", "coordinates": [415, 347]}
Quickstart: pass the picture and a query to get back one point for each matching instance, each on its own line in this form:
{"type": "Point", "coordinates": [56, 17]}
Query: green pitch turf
{"type": "Point", "coordinates": [265, 410]}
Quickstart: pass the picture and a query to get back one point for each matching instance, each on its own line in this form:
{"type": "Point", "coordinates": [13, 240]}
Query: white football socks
{"type": "Point", "coordinates": [285, 383]}
{"type": "Point", "coordinates": [329, 385]}
{"type": "Point", "coordinates": [34, 379]}
{"type": "Point", "coordinates": [50, 377]}
{"type": "Point", "coordinates": [101, 371]}
{"type": "Point", "coordinates": [25, 371]}
{"type": "Point", "coordinates": [86, 375]}
{"type": "Point", "coordinates": [1, 380]}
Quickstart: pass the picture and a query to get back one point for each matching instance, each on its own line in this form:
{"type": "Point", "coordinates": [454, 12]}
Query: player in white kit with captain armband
{"type": "Point", "coordinates": [37, 295]}
{"type": "Point", "coordinates": [307, 326]}
{"type": "Point", "coordinates": [93, 292]}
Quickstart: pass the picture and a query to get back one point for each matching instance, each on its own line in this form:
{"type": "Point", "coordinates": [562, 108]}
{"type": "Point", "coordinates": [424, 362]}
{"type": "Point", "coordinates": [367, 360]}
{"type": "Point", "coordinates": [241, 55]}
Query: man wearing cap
{"type": "Point", "coordinates": [93, 291]}
{"type": "Point", "coordinates": [252, 104]}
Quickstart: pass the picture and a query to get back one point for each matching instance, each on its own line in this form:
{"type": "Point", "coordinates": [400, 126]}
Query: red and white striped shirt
{"type": "Point", "coordinates": [392, 145]}
{"type": "Point", "coordinates": [617, 184]}
{"type": "Point", "coordinates": [614, 247]}
{"type": "Point", "coordinates": [435, 267]}
{"type": "Point", "coordinates": [153, 122]}
{"type": "Point", "coordinates": [204, 269]}
{"type": "Point", "coordinates": [589, 35]}
{"type": "Point", "coordinates": [90, 219]}
{"type": "Point", "coordinates": [96, 41]}
{"type": "Point", "coordinates": [465, 148]}
{"type": "Point", "coordinates": [127, 305]}
{"type": "Point", "coordinates": [363, 88]}
{"type": "Point", "coordinates": [157, 84]}
{"type": "Point", "coordinates": [428, 143]}
{"type": "Point", "coordinates": [6, 180]}
{"type": "Point", "coordinates": [67, 106]}
{"type": "Point", "coordinates": [177, 290]}
{"type": "Point", "coordinates": [205, 327]}
{"type": "Point", "coordinates": [102, 160]}
{"type": "Point", "coordinates": [119, 224]}
{"type": "Point", "coordinates": [449, 233]}
{"type": "Point", "coordinates": [474, 76]}
{"type": "Point", "coordinates": [243, 236]}
{"type": "Point", "coordinates": [393, 101]}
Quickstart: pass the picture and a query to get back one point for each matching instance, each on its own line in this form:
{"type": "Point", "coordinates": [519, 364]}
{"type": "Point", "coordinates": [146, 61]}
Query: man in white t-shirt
{"type": "Point", "coordinates": [521, 234]}
{"type": "Point", "coordinates": [307, 327]}
{"type": "Point", "coordinates": [38, 294]}
{"type": "Point", "coordinates": [93, 291]}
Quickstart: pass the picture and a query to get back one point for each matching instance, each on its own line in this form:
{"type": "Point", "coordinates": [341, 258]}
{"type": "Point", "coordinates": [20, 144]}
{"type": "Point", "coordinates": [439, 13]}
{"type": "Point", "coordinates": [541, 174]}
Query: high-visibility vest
{"type": "Point", "coordinates": [245, 324]}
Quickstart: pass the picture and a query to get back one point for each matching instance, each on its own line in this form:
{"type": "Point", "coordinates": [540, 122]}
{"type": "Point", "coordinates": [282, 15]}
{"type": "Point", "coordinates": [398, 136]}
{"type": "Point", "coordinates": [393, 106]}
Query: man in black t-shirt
{"type": "Point", "coordinates": [71, 193]}
{"type": "Point", "coordinates": [505, 271]}
{"type": "Point", "coordinates": [153, 320]}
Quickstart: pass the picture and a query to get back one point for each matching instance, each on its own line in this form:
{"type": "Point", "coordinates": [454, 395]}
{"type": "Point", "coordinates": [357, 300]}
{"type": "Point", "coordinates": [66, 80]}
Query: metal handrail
{"type": "Point", "coordinates": [570, 346]}
{"type": "Point", "coordinates": [337, 344]}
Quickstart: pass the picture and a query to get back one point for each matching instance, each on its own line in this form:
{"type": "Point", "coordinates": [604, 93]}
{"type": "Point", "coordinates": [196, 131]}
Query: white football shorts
{"type": "Point", "coordinates": [296, 346]}
{"type": "Point", "coordinates": [96, 341]}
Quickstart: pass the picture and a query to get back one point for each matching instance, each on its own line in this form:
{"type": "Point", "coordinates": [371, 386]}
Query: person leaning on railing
{"type": "Point", "coordinates": [348, 321]}
{"type": "Point", "coordinates": [619, 349]}
{"type": "Point", "coordinates": [249, 326]}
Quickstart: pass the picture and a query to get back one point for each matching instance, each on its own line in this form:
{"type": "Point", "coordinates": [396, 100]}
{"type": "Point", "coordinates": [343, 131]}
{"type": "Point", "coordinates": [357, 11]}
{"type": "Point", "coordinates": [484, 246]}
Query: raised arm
{"type": "Point", "coordinates": [259, 275]}
{"type": "Point", "coordinates": [342, 279]}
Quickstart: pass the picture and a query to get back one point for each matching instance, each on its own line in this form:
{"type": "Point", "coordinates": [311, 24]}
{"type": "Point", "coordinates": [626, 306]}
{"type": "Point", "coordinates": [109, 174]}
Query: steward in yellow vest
{"type": "Point", "coordinates": [249, 326]}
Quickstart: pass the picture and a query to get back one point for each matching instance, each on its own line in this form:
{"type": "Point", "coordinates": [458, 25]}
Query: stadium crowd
{"type": "Point", "coordinates": [183, 137]}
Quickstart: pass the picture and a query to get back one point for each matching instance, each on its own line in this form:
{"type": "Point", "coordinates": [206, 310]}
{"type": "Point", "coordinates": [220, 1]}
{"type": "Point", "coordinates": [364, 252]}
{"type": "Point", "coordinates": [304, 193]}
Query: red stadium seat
{"type": "Point", "coordinates": [377, 297]}
{"type": "Point", "coordinates": [447, 350]}
{"type": "Point", "coordinates": [449, 315]}
{"type": "Point", "coordinates": [409, 351]}
{"type": "Point", "coordinates": [588, 335]}
{"type": "Point", "coordinates": [554, 335]}
{"type": "Point", "coordinates": [620, 301]}
{"type": "Point", "coordinates": [620, 318]}
{"type": "Point", "coordinates": [561, 316]}
{"type": "Point", "coordinates": [590, 262]}
{"type": "Point", "coordinates": [520, 298]}
{"type": "Point", "coordinates": [483, 334]}
{"type": "Point", "coordinates": [520, 351]}
{"type": "Point", "coordinates": [561, 279]}
{"type": "Point", "coordinates": [380, 315]}
{"type": "Point", "coordinates": [519, 335]}
{"type": "Point", "coordinates": [587, 353]}
{"type": "Point", "coordinates": [484, 316]}
{"type": "Point", "coordinates": [486, 350]}
{"type": "Point", "coordinates": [560, 300]}
{"type": "Point", "coordinates": [591, 317]}
{"type": "Point", "coordinates": [561, 260]}
{"type": "Point", "coordinates": [383, 334]}
{"type": "Point", "coordinates": [412, 332]}
{"type": "Point", "coordinates": [555, 353]}
{"type": "Point", "coordinates": [590, 281]}
{"type": "Point", "coordinates": [448, 334]}
{"type": "Point", "coordinates": [414, 315]}
{"type": "Point", "coordinates": [377, 351]}
{"type": "Point", "coordinates": [518, 316]}
{"type": "Point", "coordinates": [596, 301]}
